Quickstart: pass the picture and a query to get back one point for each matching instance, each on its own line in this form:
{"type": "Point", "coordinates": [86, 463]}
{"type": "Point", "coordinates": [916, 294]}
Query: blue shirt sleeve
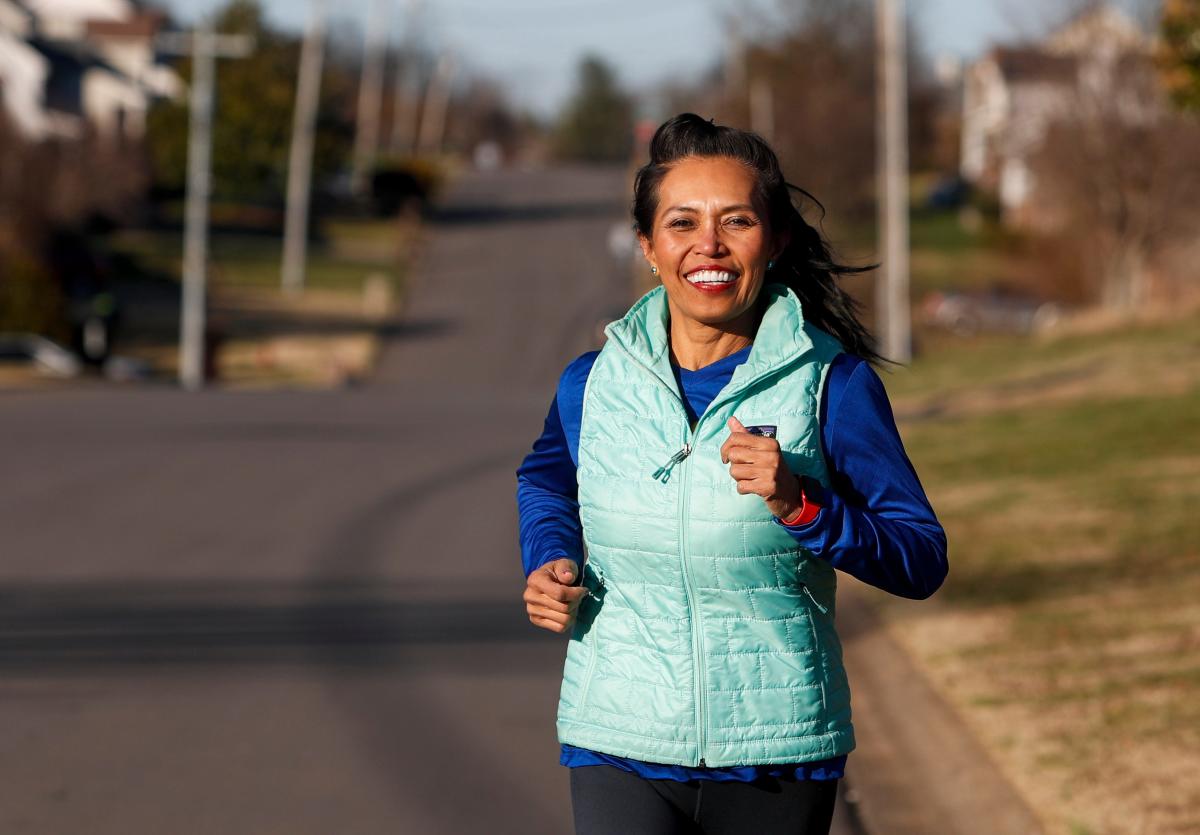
{"type": "Point", "coordinates": [547, 491]}
{"type": "Point", "coordinates": [876, 523]}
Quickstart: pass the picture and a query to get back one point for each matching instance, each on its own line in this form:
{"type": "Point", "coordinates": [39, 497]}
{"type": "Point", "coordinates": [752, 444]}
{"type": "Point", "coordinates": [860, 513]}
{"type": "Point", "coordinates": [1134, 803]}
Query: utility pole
{"type": "Point", "coordinates": [304, 128]}
{"type": "Point", "coordinates": [205, 46]}
{"type": "Point", "coordinates": [735, 65]}
{"type": "Point", "coordinates": [407, 85]}
{"type": "Point", "coordinates": [370, 95]}
{"type": "Point", "coordinates": [892, 296]}
{"type": "Point", "coordinates": [762, 108]}
{"type": "Point", "coordinates": [437, 100]}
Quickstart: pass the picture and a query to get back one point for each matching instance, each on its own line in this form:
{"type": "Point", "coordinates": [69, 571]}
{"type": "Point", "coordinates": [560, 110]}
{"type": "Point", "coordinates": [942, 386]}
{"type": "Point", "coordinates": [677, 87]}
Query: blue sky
{"type": "Point", "coordinates": [532, 45]}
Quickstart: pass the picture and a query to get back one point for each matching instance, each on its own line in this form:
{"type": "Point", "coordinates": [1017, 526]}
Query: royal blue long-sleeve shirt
{"type": "Point", "coordinates": [875, 523]}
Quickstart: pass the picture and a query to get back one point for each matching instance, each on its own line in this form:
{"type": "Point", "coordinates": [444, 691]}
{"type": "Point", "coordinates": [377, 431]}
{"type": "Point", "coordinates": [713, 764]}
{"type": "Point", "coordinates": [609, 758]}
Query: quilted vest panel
{"type": "Point", "coordinates": [708, 636]}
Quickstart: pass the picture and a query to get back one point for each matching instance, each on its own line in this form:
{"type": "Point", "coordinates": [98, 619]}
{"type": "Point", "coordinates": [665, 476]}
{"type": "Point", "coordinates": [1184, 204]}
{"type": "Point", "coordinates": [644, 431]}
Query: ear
{"type": "Point", "coordinates": [647, 249]}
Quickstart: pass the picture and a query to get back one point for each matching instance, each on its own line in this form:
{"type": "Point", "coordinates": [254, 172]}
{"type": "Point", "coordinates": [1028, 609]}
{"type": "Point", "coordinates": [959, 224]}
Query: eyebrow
{"type": "Point", "coordinates": [739, 207]}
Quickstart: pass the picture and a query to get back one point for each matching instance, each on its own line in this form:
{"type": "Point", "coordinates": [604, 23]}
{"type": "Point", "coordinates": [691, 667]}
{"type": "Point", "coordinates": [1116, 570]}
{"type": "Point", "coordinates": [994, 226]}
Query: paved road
{"type": "Point", "coordinates": [300, 613]}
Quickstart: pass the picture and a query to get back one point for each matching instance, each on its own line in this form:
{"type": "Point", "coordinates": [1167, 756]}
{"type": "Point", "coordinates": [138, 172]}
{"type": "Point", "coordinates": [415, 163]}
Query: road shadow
{"type": "Point", "coordinates": [75, 627]}
{"type": "Point", "coordinates": [417, 328]}
{"type": "Point", "coordinates": [479, 214]}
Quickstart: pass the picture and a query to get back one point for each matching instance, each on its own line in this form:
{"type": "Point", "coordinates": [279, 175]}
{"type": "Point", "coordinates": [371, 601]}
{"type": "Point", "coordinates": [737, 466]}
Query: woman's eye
{"type": "Point", "coordinates": [679, 223]}
{"type": "Point", "coordinates": [740, 221]}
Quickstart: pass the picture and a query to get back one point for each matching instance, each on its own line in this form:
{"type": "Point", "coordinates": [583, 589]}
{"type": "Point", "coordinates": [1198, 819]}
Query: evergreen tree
{"type": "Point", "coordinates": [597, 124]}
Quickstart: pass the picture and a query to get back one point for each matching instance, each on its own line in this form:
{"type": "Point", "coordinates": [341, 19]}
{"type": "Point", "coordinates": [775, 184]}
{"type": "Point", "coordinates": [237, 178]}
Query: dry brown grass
{"type": "Point", "coordinates": [1068, 477]}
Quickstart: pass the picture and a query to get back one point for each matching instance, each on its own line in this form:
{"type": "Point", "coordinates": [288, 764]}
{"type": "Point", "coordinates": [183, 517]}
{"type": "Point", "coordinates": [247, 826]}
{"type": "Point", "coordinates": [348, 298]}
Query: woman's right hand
{"type": "Point", "coordinates": [551, 599]}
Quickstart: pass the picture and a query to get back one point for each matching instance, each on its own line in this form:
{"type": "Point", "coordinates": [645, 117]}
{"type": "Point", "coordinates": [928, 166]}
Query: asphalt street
{"type": "Point", "coordinates": [234, 612]}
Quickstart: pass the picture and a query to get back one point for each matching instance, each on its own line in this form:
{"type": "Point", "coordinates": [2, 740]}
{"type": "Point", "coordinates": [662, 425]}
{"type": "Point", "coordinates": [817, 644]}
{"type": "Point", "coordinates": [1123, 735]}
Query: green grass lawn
{"type": "Point", "coordinates": [321, 337]}
{"type": "Point", "coordinates": [348, 251]}
{"type": "Point", "coordinates": [948, 255]}
{"type": "Point", "coordinates": [1067, 474]}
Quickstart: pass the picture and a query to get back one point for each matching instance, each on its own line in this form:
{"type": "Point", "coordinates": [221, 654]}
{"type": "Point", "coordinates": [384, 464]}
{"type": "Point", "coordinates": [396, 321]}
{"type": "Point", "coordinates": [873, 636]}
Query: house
{"type": "Point", "coordinates": [1014, 94]}
{"type": "Point", "coordinates": [66, 65]}
{"type": "Point", "coordinates": [67, 20]}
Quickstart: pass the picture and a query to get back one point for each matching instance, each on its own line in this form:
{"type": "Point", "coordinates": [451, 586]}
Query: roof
{"type": "Point", "coordinates": [145, 25]}
{"type": "Point", "coordinates": [1031, 64]}
{"type": "Point", "coordinates": [68, 62]}
{"type": "Point", "coordinates": [63, 91]}
{"type": "Point", "coordinates": [1099, 26]}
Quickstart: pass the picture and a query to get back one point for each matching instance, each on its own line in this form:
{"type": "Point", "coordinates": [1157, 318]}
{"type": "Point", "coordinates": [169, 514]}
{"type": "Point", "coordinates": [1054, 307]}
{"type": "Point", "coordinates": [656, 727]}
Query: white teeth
{"type": "Point", "coordinates": [711, 277]}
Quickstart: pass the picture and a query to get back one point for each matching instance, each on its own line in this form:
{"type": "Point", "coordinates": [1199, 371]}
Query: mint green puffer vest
{"type": "Point", "coordinates": [708, 636]}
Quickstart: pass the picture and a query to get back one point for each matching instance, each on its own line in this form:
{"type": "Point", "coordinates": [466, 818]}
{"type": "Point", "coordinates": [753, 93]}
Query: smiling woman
{"type": "Point", "coordinates": [727, 451]}
{"type": "Point", "coordinates": [711, 246]}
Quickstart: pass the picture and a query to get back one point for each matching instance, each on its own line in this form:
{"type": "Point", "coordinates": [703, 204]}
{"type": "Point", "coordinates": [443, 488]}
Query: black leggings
{"type": "Point", "coordinates": [609, 801]}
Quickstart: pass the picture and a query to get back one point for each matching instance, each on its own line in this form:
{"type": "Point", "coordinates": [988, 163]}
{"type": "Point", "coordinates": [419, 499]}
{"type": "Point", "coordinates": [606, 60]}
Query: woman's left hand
{"type": "Point", "coordinates": [757, 465]}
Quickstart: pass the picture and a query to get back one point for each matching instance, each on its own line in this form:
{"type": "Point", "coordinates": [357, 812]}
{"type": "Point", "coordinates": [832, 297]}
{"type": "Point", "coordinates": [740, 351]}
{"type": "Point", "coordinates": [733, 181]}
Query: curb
{"type": "Point", "coordinates": [918, 769]}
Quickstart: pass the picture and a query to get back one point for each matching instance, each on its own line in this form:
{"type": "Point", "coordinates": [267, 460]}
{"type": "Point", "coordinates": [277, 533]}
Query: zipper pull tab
{"type": "Point", "coordinates": [599, 585]}
{"type": "Point", "coordinates": [807, 591]}
{"type": "Point", "coordinates": [663, 473]}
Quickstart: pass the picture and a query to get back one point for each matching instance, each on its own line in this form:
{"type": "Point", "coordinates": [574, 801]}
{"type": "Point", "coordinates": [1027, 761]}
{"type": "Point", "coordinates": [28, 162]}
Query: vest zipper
{"type": "Point", "coordinates": [689, 590]}
{"type": "Point", "coordinates": [804, 588]}
{"type": "Point", "coordinates": [663, 473]}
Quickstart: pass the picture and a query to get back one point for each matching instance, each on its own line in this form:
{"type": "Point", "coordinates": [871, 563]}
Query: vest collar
{"type": "Point", "coordinates": [644, 334]}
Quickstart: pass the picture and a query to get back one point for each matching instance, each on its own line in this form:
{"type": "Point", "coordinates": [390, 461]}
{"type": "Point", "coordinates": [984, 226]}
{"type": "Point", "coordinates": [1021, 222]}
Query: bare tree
{"type": "Point", "coordinates": [805, 73]}
{"type": "Point", "coordinates": [1119, 172]}
{"type": "Point", "coordinates": [1032, 20]}
{"type": "Point", "coordinates": [818, 71]}
{"type": "Point", "coordinates": [481, 112]}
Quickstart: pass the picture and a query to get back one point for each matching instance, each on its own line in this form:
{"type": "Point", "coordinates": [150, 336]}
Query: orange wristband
{"type": "Point", "coordinates": [807, 512]}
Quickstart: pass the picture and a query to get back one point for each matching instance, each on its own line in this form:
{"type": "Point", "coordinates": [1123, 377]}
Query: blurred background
{"type": "Point", "coordinates": [285, 289]}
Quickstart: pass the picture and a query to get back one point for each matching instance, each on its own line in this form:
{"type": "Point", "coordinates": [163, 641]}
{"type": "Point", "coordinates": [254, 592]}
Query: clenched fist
{"type": "Point", "coordinates": [757, 465]}
{"type": "Point", "coordinates": [551, 596]}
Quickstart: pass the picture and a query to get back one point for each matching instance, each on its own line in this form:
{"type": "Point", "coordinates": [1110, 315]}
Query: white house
{"type": "Point", "coordinates": [67, 20]}
{"type": "Point", "coordinates": [65, 64]}
{"type": "Point", "coordinates": [1013, 94]}
{"type": "Point", "coordinates": [23, 71]}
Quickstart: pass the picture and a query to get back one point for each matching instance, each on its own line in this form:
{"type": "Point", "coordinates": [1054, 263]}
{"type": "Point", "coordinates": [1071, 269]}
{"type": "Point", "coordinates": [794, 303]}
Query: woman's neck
{"type": "Point", "coordinates": [695, 344]}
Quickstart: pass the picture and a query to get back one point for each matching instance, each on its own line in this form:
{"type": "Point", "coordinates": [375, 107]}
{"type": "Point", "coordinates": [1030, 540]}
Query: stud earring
{"type": "Point", "coordinates": [770, 266]}
{"type": "Point", "coordinates": [654, 271]}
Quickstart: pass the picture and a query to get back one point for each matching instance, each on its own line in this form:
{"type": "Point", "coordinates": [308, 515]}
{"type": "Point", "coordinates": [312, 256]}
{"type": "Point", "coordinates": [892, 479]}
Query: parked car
{"type": "Point", "coordinates": [948, 193]}
{"type": "Point", "coordinates": [47, 357]}
{"type": "Point", "coordinates": [968, 314]}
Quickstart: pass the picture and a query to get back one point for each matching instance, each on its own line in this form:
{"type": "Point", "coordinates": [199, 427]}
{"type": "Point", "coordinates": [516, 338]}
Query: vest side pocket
{"type": "Point", "coordinates": [816, 610]}
{"type": "Point", "coordinates": [589, 607]}
{"type": "Point", "coordinates": [589, 674]}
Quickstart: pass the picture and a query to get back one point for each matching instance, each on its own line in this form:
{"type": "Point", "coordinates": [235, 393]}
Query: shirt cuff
{"type": "Point", "coordinates": [803, 527]}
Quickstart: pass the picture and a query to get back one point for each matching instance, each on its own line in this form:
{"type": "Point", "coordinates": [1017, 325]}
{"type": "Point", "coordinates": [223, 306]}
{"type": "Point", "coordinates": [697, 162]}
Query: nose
{"type": "Point", "coordinates": [709, 242]}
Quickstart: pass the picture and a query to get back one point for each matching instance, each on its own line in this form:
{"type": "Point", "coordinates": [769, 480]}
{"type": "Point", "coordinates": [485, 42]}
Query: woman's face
{"type": "Point", "coordinates": [710, 240]}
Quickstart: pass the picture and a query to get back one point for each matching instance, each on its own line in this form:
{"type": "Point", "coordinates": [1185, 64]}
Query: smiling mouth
{"type": "Point", "coordinates": [711, 277]}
